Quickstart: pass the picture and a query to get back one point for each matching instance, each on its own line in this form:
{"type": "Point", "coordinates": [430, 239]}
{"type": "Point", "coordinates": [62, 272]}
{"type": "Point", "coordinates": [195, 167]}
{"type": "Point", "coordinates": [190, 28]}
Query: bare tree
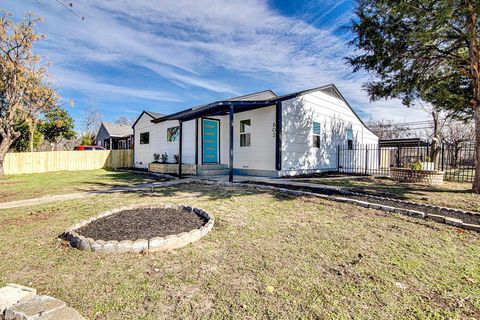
{"type": "Point", "coordinates": [123, 120]}
{"type": "Point", "coordinates": [388, 129]}
{"type": "Point", "coordinates": [455, 134]}
{"type": "Point", "coordinates": [91, 120]}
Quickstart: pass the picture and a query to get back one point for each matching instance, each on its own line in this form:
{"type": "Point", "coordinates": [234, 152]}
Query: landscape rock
{"type": "Point", "coordinates": [33, 308]}
{"type": "Point", "coordinates": [12, 294]}
{"type": "Point", "coordinates": [65, 313]}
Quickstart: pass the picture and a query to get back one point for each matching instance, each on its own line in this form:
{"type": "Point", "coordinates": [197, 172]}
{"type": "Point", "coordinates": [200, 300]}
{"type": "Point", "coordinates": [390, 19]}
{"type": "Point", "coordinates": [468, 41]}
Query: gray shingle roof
{"type": "Point", "coordinates": [257, 96]}
{"type": "Point", "coordinates": [156, 115]}
{"type": "Point", "coordinates": [118, 130]}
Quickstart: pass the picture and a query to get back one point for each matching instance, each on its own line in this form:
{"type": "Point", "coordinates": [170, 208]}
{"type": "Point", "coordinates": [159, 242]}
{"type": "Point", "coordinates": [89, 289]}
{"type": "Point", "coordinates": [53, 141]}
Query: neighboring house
{"type": "Point", "coordinates": [114, 136]}
{"type": "Point", "coordinates": [257, 134]}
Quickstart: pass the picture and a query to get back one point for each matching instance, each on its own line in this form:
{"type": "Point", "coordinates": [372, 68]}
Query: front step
{"type": "Point", "coordinates": [212, 169]}
{"type": "Point", "coordinates": [220, 172]}
{"type": "Point", "coordinates": [202, 167]}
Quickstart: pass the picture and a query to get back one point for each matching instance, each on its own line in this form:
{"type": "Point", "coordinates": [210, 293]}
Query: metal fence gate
{"type": "Point", "coordinates": [458, 161]}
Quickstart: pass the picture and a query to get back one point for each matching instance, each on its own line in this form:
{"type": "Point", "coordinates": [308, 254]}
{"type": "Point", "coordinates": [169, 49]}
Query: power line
{"type": "Point", "coordinates": [69, 8]}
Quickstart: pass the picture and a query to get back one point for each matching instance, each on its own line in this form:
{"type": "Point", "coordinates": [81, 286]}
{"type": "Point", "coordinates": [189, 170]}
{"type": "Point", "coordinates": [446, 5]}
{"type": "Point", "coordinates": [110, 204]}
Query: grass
{"type": "Point", "coordinates": [268, 256]}
{"type": "Point", "coordinates": [26, 186]}
{"type": "Point", "coordinates": [450, 194]}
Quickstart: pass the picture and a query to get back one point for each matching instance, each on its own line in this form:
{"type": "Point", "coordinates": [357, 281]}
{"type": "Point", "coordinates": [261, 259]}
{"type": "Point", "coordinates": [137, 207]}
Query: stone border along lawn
{"type": "Point", "coordinates": [400, 206]}
{"type": "Point", "coordinates": [169, 242]}
{"type": "Point", "coordinates": [20, 302]}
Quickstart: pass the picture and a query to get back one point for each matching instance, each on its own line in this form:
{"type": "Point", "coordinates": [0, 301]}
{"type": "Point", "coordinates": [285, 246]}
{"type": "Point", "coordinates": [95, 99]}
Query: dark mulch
{"type": "Point", "coordinates": [142, 223]}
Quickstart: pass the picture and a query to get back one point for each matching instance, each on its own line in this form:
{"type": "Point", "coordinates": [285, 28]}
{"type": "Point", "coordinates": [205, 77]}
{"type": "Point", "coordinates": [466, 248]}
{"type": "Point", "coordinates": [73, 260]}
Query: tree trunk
{"type": "Point", "coordinates": [476, 180]}
{"type": "Point", "coordinates": [436, 140]}
{"type": "Point", "coordinates": [31, 133]}
{"type": "Point", "coordinates": [474, 54]}
{"type": "Point", "coordinates": [4, 146]}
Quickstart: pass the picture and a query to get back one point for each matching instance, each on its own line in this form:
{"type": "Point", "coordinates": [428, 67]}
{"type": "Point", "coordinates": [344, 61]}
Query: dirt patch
{"type": "Point", "coordinates": [142, 223]}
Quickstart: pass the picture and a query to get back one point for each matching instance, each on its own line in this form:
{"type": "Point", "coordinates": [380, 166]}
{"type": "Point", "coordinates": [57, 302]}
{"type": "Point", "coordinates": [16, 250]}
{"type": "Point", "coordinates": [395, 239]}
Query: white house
{"type": "Point", "coordinates": [258, 134]}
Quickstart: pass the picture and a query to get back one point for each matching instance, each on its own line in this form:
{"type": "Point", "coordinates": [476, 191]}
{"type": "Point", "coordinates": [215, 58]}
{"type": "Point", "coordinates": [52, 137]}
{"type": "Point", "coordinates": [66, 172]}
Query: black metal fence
{"type": "Point", "coordinates": [457, 161]}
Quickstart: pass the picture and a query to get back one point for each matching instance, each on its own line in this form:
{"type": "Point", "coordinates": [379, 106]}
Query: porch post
{"type": "Point", "coordinates": [111, 144]}
{"type": "Point", "coordinates": [180, 150]}
{"type": "Point", "coordinates": [196, 142]}
{"type": "Point", "coordinates": [230, 162]}
{"type": "Point", "coordinates": [278, 136]}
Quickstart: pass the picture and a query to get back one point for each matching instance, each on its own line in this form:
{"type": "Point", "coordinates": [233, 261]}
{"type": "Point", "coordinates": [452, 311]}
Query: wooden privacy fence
{"type": "Point", "coordinates": [37, 162]}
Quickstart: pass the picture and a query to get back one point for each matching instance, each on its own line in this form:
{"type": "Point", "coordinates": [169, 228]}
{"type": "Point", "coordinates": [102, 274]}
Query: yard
{"type": "Point", "coordinates": [27, 186]}
{"type": "Point", "coordinates": [268, 256]}
{"type": "Point", "coordinates": [450, 194]}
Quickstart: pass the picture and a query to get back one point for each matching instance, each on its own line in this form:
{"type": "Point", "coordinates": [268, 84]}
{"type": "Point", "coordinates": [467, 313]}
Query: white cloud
{"type": "Point", "coordinates": [84, 82]}
{"type": "Point", "coordinates": [190, 42]}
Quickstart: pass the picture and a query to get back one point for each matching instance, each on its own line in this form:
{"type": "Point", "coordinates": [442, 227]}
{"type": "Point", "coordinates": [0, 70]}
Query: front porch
{"type": "Point", "coordinates": [214, 141]}
{"type": "Point", "coordinates": [189, 169]}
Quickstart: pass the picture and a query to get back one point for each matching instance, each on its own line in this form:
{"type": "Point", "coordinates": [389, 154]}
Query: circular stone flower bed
{"type": "Point", "coordinates": [140, 228]}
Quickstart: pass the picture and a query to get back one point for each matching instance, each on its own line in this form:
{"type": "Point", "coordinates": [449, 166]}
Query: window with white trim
{"type": "Point", "coordinates": [145, 138]}
{"type": "Point", "coordinates": [350, 139]}
{"type": "Point", "coordinates": [316, 134]}
{"type": "Point", "coordinates": [173, 133]}
{"type": "Point", "coordinates": [245, 133]}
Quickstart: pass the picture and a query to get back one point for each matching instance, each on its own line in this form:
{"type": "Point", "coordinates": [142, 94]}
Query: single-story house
{"type": "Point", "coordinates": [113, 136]}
{"type": "Point", "coordinates": [259, 134]}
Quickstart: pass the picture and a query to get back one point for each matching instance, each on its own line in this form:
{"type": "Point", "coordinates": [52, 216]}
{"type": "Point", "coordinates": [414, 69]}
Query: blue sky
{"type": "Point", "coordinates": [164, 56]}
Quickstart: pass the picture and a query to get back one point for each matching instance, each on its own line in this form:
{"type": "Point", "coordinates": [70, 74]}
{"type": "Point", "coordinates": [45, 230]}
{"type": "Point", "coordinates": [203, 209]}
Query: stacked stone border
{"type": "Point", "coordinates": [429, 177]}
{"type": "Point", "coordinates": [139, 245]}
{"type": "Point", "coordinates": [407, 212]}
{"type": "Point", "coordinates": [20, 302]}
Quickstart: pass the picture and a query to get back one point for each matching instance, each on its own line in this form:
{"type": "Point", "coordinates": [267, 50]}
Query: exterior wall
{"type": "Point", "coordinates": [159, 144]}
{"type": "Point", "coordinates": [259, 157]}
{"type": "Point", "coordinates": [143, 153]}
{"type": "Point", "coordinates": [335, 117]}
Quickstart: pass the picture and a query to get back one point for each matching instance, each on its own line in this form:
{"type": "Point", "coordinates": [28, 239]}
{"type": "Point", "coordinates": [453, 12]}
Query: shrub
{"type": "Point", "coordinates": [156, 157]}
{"type": "Point", "coordinates": [176, 158]}
{"type": "Point", "coordinates": [164, 157]}
{"type": "Point", "coordinates": [416, 166]}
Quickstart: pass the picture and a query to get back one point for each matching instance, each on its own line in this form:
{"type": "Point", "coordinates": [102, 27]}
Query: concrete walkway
{"type": "Point", "coordinates": [82, 195]}
{"type": "Point", "coordinates": [276, 182]}
{"type": "Point", "coordinates": [283, 183]}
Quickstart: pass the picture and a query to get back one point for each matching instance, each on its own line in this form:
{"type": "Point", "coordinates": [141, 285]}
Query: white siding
{"type": "Point", "coordinates": [188, 142]}
{"type": "Point", "coordinates": [334, 116]}
{"type": "Point", "coordinates": [159, 144]}
{"type": "Point", "coordinates": [261, 153]}
{"type": "Point", "coordinates": [143, 153]}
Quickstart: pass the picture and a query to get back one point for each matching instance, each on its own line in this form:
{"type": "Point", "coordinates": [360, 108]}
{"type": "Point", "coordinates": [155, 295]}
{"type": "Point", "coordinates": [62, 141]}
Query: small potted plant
{"type": "Point", "coordinates": [164, 158]}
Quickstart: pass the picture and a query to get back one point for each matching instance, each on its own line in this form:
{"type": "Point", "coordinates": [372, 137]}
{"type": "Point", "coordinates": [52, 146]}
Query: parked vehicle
{"type": "Point", "coordinates": [88, 148]}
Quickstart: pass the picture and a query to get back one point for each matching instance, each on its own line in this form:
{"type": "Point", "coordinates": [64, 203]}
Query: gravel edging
{"type": "Point", "coordinates": [138, 245]}
{"type": "Point", "coordinates": [459, 223]}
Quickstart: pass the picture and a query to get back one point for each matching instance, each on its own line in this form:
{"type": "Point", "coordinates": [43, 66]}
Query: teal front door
{"type": "Point", "coordinates": [210, 143]}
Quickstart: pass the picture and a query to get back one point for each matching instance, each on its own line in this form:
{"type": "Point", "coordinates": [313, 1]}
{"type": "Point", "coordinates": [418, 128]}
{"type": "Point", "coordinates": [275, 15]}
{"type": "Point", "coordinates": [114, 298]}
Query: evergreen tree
{"type": "Point", "coordinates": [428, 50]}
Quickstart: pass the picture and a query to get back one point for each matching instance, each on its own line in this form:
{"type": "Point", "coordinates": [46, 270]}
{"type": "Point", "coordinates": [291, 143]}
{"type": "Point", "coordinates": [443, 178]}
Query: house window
{"type": "Point", "coordinates": [145, 138]}
{"type": "Point", "coordinates": [173, 133]}
{"type": "Point", "coordinates": [316, 134]}
{"type": "Point", "coordinates": [350, 139]}
{"type": "Point", "coordinates": [245, 132]}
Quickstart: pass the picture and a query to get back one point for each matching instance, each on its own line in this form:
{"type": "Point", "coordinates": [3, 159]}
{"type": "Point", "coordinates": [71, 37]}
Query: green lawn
{"type": "Point", "coordinates": [267, 257]}
{"type": "Point", "coordinates": [26, 186]}
{"type": "Point", "coordinates": [450, 194]}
